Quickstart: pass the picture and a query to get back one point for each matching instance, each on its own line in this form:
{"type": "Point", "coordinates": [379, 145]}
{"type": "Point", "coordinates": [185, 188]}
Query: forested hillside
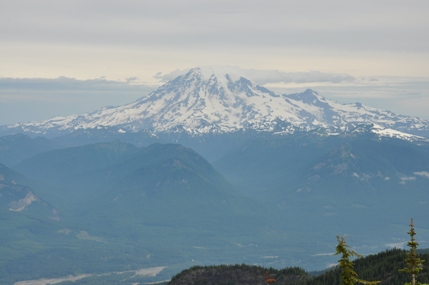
{"type": "Point", "coordinates": [238, 274]}
{"type": "Point", "coordinates": [383, 266]}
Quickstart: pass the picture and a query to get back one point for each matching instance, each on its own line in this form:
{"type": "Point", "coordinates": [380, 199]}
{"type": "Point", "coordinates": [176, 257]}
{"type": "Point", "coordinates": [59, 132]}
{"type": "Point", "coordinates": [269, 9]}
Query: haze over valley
{"type": "Point", "coordinates": [210, 168]}
{"type": "Point", "coordinates": [148, 141]}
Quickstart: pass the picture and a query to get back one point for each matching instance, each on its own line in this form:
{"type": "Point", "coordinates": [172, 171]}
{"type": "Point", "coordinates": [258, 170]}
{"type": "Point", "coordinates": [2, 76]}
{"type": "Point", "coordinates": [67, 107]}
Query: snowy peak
{"type": "Point", "coordinates": [209, 82]}
{"type": "Point", "coordinates": [309, 97]}
{"type": "Point", "coordinates": [315, 108]}
{"type": "Point", "coordinates": [218, 99]}
{"type": "Point", "coordinates": [205, 76]}
{"type": "Point", "coordinates": [206, 100]}
{"type": "Point", "coordinates": [220, 72]}
{"type": "Point", "coordinates": [218, 80]}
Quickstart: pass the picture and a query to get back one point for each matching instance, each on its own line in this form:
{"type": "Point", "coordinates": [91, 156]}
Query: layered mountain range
{"type": "Point", "coordinates": [252, 177]}
{"type": "Point", "coordinates": [213, 100]}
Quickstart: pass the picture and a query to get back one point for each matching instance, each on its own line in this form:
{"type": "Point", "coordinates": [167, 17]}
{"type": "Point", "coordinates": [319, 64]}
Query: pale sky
{"type": "Point", "coordinates": [66, 57]}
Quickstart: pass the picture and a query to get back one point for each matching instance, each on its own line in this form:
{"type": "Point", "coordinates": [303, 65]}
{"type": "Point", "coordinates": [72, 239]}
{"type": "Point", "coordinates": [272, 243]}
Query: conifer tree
{"type": "Point", "coordinates": [348, 275]}
{"type": "Point", "coordinates": [414, 263]}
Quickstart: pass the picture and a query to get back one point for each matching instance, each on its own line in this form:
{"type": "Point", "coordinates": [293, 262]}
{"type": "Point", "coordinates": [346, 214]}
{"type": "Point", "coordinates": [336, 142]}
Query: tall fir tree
{"type": "Point", "coordinates": [413, 262]}
{"type": "Point", "coordinates": [348, 275]}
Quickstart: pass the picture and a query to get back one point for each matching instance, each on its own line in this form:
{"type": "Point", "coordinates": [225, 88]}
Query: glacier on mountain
{"type": "Point", "coordinates": [216, 100]}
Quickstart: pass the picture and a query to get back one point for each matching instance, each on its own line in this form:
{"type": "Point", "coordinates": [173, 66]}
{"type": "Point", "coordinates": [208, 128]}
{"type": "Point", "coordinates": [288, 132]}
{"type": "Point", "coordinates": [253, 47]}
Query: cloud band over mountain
{"type": "Point", "coordinates": [274, 76]}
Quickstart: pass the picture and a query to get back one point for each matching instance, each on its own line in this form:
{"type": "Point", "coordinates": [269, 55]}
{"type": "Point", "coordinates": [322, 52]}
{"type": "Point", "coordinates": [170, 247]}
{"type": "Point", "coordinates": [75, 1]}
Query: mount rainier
{"type": "Point", "coordinates": [217, 100]}
{"type": "Point", "coordinates": [210, 168]}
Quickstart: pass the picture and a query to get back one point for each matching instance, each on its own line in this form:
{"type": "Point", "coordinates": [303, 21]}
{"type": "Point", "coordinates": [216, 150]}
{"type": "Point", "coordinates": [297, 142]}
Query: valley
{"type": "Point", "coordinates": [110, 275]}
{"type": "Point", "coordinates": [164, 204]}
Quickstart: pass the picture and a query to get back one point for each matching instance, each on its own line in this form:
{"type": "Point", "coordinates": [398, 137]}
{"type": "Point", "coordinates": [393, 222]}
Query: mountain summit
{"type": "Point", "coordinates": [218, 100]}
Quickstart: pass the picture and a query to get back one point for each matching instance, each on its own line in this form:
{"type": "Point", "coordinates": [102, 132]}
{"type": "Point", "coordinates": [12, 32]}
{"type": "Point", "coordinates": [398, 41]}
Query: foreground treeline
{"type": "Point", "coordinates": [383, 267]}
{"type": "Point", "coordinates": [238, 274]}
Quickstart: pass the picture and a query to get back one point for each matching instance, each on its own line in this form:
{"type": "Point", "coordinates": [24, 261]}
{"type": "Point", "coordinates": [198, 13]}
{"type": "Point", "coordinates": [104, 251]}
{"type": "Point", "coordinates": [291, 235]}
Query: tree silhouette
{"type": "Point", "coordinates": [414, 263]}
{"type": "Point", "coordinates": [348, 275]}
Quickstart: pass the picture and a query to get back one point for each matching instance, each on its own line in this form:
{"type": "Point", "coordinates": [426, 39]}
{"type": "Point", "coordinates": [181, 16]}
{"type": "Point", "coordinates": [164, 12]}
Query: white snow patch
{"type": "Point", "coordinates": [404, 179]}
{"type": "Point", "coordinates": [422, 173]}
{"type": "Point", "coordinates": [390, 133]}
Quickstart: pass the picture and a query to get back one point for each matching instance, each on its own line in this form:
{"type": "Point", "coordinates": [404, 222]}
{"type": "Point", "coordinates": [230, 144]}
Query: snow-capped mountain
{"type": "Point", "coordinates": [216, 100]}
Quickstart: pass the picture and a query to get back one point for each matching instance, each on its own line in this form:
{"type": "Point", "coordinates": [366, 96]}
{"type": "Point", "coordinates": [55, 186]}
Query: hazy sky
{"type": "Point", "coordinates": [65, 57]}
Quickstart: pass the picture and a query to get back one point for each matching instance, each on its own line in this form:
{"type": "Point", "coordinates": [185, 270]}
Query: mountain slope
{"type": "Point", "coordinates": [17, 196]}
{"type": "Point", "coordinates": [335, 183]}
{"type": "Point", "coordinates": [55, 165]}
{"type": "Point", "coordinates": [160, 205]}
{"type": "Point", "coordinates": [15, 148]}
{"type": "Point", "coordinates": [169, 184]}
{"type": "Point", "coordinates": [215, 100]}
{"type": "Point", "coordinates": [117, 177]}
{"type": "Point", "coordinates": [308, 158]}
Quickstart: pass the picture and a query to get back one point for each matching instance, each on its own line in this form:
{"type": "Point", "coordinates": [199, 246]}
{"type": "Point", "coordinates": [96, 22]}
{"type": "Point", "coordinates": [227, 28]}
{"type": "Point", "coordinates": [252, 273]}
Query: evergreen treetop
{"type": "Point", "coordinates": [348, 275]}
{"type": "Point", "coordinates": [413, 262]}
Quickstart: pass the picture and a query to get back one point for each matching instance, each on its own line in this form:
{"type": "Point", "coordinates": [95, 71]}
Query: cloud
{"type": "Point", "coordinates": [187, 23]}
{"type": "Point", "coordinates": [27, 99]}
{"type": "Point", "coordinates": [399, 94]}
{"type": "Point", "coordinates": [63, 83]}
{"type": "Point", "coordinates": [396, 244]}
{"type": "Point", "coordinates": [273, 76]}
{"type": "Point", "coordinates": [158, 76]}
{"type": "Point", "coordinates": [131, 79]}
{"type": "Point", "coordinates": [170, 76]}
